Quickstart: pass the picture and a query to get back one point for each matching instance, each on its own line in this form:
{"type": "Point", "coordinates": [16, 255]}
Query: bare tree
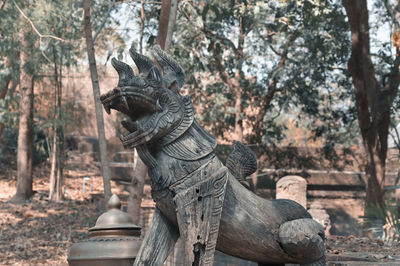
{"type": "Point", "coordinates": [373, 100]}
{"type": "Point", "coordinates": [96, 93]}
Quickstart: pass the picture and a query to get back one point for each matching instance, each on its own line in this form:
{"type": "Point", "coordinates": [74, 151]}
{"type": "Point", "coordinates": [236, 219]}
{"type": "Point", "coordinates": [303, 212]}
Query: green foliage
{"type": "Point", "coordinates": [313, 84]}
{"type": "Point", "coordinates": [9, 110]}
{"type": "Point", "coordinates": [43, 126]}
{"type": "Point", "coordinates": [9, 117]}
{"type": "Point", "coordinates": [384, 222]}
{"type": "Point", "coordinates": [54, 30]}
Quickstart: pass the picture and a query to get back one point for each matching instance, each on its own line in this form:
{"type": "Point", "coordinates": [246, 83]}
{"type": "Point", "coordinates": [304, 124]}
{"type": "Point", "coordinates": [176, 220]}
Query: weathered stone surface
{"type": "Point", "coordinates": [292, 187]}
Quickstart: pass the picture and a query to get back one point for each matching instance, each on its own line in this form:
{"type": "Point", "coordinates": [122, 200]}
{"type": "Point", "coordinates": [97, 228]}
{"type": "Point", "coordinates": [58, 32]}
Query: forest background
{"type": "Point", "coordinates": [267, 73]}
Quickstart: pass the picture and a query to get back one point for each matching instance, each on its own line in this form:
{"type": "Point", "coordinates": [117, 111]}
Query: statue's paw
{"type": "Point", "coordinates": [130, 126]}
{"type": "Point", "coordinates": [136, 136]}
{"type": "Point", "coordinates": [303, 239]}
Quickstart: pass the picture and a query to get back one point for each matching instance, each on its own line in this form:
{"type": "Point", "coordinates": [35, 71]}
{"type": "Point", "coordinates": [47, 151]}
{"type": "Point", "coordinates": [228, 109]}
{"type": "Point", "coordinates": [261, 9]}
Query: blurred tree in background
{"type": "Point", "coordinates": [376, 84]}
{"type": "Point", "coordinates": [252, 63]}
{"type": "Point", "coordinates": [41, 39]}
{"type": "Point", "coordinates": [255, 69]}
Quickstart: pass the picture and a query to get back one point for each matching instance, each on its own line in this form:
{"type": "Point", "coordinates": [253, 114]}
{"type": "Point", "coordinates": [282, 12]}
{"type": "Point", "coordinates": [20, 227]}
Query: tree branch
{"type": "Point", "coordinates": [34, 28]}
{"type": "Point", "coordinates": [388, 8]}
{"type": "Point", "coordinates": [395, 136]}
{"type": "Point", "coordinates": [224, 40]}
{"type": "Point", "coordinates": [110, 6]}
{"type": "Point", "coordinates": [391, 11]}
{"type": "Point", "coordinates": [142, 20]}
{"type": "Point", "coordinates": [3, 4]}
{"type": "Point", "coordinates": [360, 64]}
{"type": "Point", "coordinates": [41, 36]}
{"type": "Point", "coordinates": [394, 78]}
{"type": "Point", "coordinates": [272, 89]}
{"type": "Point", "coordinates": [222, 72]}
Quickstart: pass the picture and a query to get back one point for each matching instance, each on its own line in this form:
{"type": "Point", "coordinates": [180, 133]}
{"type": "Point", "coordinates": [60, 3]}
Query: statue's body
{"type": "Point", "coordinates": [197, 197]}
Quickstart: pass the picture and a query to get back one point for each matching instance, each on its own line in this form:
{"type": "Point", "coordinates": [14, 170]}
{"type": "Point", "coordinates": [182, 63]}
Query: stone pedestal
{"type": "Point", "coordinates": [294, 188]}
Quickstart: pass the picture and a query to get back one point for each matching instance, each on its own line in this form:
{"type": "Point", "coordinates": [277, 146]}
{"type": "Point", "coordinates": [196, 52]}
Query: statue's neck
{"type": "Point", "coordinates": [186, 153]}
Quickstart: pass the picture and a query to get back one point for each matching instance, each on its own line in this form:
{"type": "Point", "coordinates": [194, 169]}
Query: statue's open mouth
{"type": "Point", "coordinates": [130, 101]}
{"type": "Point", "coordinates": [143, 108]}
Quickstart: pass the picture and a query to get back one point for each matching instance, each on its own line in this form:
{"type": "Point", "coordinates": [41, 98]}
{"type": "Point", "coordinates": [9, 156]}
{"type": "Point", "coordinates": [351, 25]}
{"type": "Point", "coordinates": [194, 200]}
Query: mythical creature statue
{"type": "Point", "coordinates": [197, 197]}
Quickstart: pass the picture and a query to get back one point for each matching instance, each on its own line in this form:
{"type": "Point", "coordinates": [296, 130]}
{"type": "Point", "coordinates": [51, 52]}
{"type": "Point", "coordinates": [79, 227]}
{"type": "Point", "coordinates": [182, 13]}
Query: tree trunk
{"type": "Point", "coordinates": [267, 98]}
{"type": "Point", "coordinates": [96, 93]}
{"type": "Point", "coordinates": [136, 189]}
{"type": "Point", "coordinates": [163, 23]}
{"type": "Point", "coordinates": [25, 132]}
{"type": "Point", "coordinates": [167, 23]}
{"type": "Point", "coordinates": [57, 167]}
{"type": "Point", "coordinates": [53, 171]}
{"type": "Point", "coordinates": [238, 112]}
{"type": "Point", "coordinates": [373, 101]}
{"type": "Point", "coordinates": [171, 24]}
{"type": "Point", "coordinates": [142, 21]}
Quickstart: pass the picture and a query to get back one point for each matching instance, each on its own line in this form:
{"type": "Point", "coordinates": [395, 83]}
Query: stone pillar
{"type": "Point", "coordinates": [319, 214]}
{"type": "Point", "coordinates": [294, 188]}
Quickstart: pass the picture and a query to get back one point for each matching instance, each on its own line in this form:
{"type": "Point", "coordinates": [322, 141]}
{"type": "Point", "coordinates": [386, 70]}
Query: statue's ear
{"type": "Point", "coordinates": [174, 86]}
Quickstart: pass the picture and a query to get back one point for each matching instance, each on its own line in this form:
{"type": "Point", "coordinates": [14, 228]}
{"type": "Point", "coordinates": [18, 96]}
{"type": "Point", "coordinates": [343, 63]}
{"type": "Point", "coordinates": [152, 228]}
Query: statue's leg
{"type": "Point", "coordinates": [199, 209]}
{"type": "Point", "coordinates": [159, 241]}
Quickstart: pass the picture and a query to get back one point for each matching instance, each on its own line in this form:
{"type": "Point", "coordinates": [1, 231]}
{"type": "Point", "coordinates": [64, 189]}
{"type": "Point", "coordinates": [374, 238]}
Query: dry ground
{"type": "Point", "coordinates": [40, 232]}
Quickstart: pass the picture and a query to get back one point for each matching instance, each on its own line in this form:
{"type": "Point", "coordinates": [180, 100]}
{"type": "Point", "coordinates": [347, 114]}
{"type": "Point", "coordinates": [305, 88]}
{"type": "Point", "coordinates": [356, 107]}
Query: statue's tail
{"type": "Point", "coordinates": [242, 162]}
{"type": "Point", "coordinates": [304, 239]}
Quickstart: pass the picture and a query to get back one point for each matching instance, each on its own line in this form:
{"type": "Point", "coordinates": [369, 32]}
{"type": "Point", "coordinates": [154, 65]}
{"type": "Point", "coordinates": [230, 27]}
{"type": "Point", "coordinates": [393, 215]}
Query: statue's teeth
{"type": "Point", "coordinates": [123, 99]}
{"type": "Point", "coordinates": [107, 108]}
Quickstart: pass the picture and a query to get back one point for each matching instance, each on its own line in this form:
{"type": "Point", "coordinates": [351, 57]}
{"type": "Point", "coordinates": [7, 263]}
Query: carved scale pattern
{"type": "Point", "coordinates": [184, 124]}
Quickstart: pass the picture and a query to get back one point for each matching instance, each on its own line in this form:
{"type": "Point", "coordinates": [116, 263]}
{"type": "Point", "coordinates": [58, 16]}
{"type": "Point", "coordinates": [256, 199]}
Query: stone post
{"type": "Point", "coordinates": [319, 214]}
{"type": "Point", "coordinates": [294, 188]}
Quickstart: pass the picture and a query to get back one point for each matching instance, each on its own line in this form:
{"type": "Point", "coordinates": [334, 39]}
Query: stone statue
{"type": "Point", "coordinates": [197, 197]}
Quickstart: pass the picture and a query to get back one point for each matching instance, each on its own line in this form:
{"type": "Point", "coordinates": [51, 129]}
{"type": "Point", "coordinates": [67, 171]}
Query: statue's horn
{"type": "Point", "coordinates": [146, 66]}
{"type": "Point", "coordinates": [168, 64]}
{"type": "Point", "coordinates": [143, 63]}
{"type": "Point", "coordinates": [125, 72]}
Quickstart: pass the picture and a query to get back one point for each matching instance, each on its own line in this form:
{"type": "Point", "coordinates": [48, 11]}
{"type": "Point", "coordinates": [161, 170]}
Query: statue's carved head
{"type": "Point", "coordinates": [150, 99]}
